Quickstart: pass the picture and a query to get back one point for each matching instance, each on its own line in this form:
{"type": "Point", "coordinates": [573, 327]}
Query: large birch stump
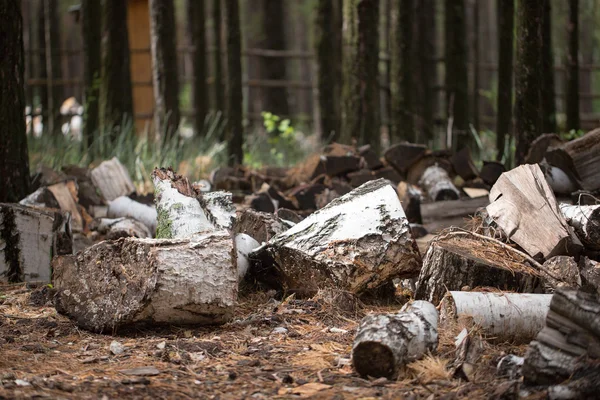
{"type": "Point", "coordinates": [524, 207]}
{"type": "Point", "coordinates": [358, 242]}
{"type": "Point", "coordinates": [454, 263]}
{"type": "Point", "coordinates": [586, 222]}
{"type": "Point", "coordinates": [437, 184]}
{"type": "Point", "coordinates": [118, 283]}
{"type": "Point", "coordinates": [386, 342]}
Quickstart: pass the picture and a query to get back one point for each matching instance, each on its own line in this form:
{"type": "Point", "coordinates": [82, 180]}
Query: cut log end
{"type": "Point", "coordinates": [373, 359]}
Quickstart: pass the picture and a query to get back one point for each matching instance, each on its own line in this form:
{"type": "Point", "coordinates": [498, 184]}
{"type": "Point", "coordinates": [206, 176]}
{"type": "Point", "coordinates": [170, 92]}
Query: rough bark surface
{"type": "Point", "coordinates": [386, 342]}
{"type": "Point", "coordinates": [274, 68]}
{"type": "Point", "coordinates": [506, 17]}
{"type": "Point", "coordinates": [403, 123]}
{"type": "Point", "coordinates": [196, 39]}
{"type": "Point", "coordinates": [586, 222]}
{"type": "Point", "coordinates": [235, 134]}
{"type": "Point", "coordinates": [14, 160]}
{"type": "Point", "coordinates": [261, 226]}
{"type": "Point", "coordinates": [218, 56]}
{"type": "Point", "coordinates": [572, 84]}
{"type": "Point", "coordinates": [91, 30]}
{"type": "Point", "coordinates": [548, 96]}
{"type": "Point", "coordinates": [358, 242]}
{"type": "Point", "coordinates": [53, 65]}
{"type": "Point", "coordinates": [118, 283]}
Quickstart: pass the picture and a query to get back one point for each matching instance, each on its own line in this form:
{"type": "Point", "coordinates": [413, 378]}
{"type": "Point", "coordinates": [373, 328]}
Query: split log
{"type": "Point", "coordinates": [570, 338]}
{"type": "Point", "coordinates": [360, 177]}
{"type": "Point", "coordinates": [370, 158]}
{"type": "Point", "coordinates": [410, 197]}
{"type": "Point", "coordinates": [386, 342]}
{"type": "Point", "coordinates": [443, 214]}
{"type": "Point", "coordinates": [456, 262]}
{"type": "Point", "coordinates": [358, 242]}
{"type": "Point", "coordinates": [463, 164]}
{"type": "Point", "coordinates": [29, 237]}
{"type": "Point", "coordinates": [260, 202]}
{"type": "Point", "coordinates": [112, 179]}
{"type": "Point", "coordinates": [559, 181]}
{"type": "Point", "coordinates": [491, 171]}
{"type": "Point", "coordinates": [183, 210]}
{"type": "Point", "coordinates": [524, 207]}
{"type": "Point", "coordinates": [244, 245]}
{"type": "Point", "coordinates": [468, 351]}
{"type": "Point", "coordinates": [564, 271]}
{"type": "Point", "coordinates": [124, 207]}
{"type": "Point", "coordinates": [473, 192]}
{"type": "Point", "coordinates": [259, 225]}
{"type": "Point", "coordinates": [288, 216]}
{"type": "Point", "coordinates": [65, 194]}
{"type": "Point", "coordinates": [580, 159]}
{"type": "Point", "coordinates": [403, 155]}
{"type": "Point", "coordinates": [416, 171]}
{"type": "Point", "coordinates": [87, 194]}
{"type": "Point", "coordinates": [122, 227]}
{"type": "Point", "coordinates": [160, 281]}
{"type": "Point", "coordinates": [41, 198]}
{"type": "Point", "coordinates": [585, 220]}
{"type": "Point", "coordinates": [590, 275]}
{"type": "Point", "coordinates": [388, 173]}
{"type": "Point", "coordinates": [541, 144]}
{"type": "Point", "coordinates": [304, 196]}
{"type": "Point", "coordinates": [503, 316]}
{"type": "Point", "coordinates": [437, 184]}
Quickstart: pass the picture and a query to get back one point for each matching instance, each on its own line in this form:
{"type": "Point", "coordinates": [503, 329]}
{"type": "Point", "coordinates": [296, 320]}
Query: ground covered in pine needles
{"type": "Point", "coordinates": [272, 349]}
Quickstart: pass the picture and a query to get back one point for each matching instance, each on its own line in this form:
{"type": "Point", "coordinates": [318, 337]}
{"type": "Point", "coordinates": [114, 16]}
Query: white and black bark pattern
{"type": "Point", "coordinates": [586, 222]}
{"type": "Point", "coordinates": [386, 342]}
{"type": "Point", "coordinates": [437, 184]}
{"type": "Point", "coordinates": [359, 241]}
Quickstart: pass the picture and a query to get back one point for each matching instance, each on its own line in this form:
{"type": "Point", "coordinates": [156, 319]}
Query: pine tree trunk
{"type": "Point", "coordinates": [528, 107]}
{"type": "Point", "coordinates": [548, 95]}
{"type": "Point", "coordinates": [328, 78]}
{"type": "Point", "coordinates": [457, 82]}
{"type": "Point", "coordinates": [116, 97]}
{"type": "Point", "coordinates": [196, 39]}
{"type": "Point", "coordinates": [164, 67]}
{"type": "Point", "coordinates": [572, 100]}
{"type": "Point", "coordinates": [426, 42]}
{"type": "Point", "coordinates": [53, 64]}
{"type": "Point", "coordinates": [506, 15]}
{"type": "Point", "coordinates": [476, 62]}
{"type": "Point", "coordinates": [92, 38]}
{"type": "Point", "coordinates": [234, 83]}
{"type": "Point", "coordinates": [403, 110]}
{"type": "Point", "coordinates": [274, 68]}
{"type": "Point", "coordinates": [14, 161]}
{"type": "Point", "coordinates": [40, 70]}
{"type": "Point", "coordinates": [218, 57]}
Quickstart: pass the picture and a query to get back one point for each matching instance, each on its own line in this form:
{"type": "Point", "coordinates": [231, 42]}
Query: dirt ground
{"type": "Point", "coordinates": [272, 350]}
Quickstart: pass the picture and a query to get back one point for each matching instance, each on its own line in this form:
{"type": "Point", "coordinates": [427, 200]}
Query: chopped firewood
{"type": "Point", "coordinates": [443, 214]}
{"type": "Point", "coordinates": [559, 181]}
{"type": "Point", "coordinates": [403, 155]}
{"type": "Point", "coordinates": [538, 148]}
{"type": "Point", "coordinates": [590, 275]}
{"type": "Point", "coordinates": [524, 207]}
{"type": "Point", "coordinates": [230, 179]}
{"type": "Point", "coordinates": [325, 197]}
{"type": "Point", "coordinates": [123, 227]}
{"type": "Point", "coordinates": [384, 343]}
{"type": "Point", "coordinates": [112, 179]}
{"type": "Point", "coordinates": [183, 210]}
{"type": "Point", "coordinates": [87, 194]}
{"type": "Point", "coordinates": [119, 283]}
{"type": "Point", "coordinates": [453, 262]}
{"type": "Point", "coordinates": [410, 197]}
{"type": "Point", "coordinates": [491, 171]}
{"type": "Point", "coordinates": [124, 207]}
{"type": "Point", "coordinates": [305, 196]}
{"type": "Point", "coordinates": [388, 173]}
{"type": "Point", "coordinates": [65, 194]}
{"type": "Point", "coordinates": [418, 231]}
{"type": "Point", "coordinates": [260, 225]}
{"type": "Point", "coordinates": [416, 171]}
{"type": "Point", "coordinates": [360, 177]}
{"type": "Point", "coordinates": [476, 192]}
{"type": "Point", "coordinates": [244, 245]}
{"type": "Point", "coordinates": [585, 220]}
{"type": "Point", "coordinates": [29, 237]}
{"type": "Point", "coordinates": [569, 344]}
{"type": "Point", "coordinates": [437, 184]}
{"type": "Point", "coordinates": [41, 198]}
{"type": "Point", "coordinates": [565, 273]}
{"type": "Point", "coordinates": [502, 316]}
{"type": "Point", "coordinates": [261, 202]}
{"type": "Point", "coordinates": [468, 352]}
{"type": "Point", "coordinates": [288, 215]}
{"type": "Point", "coordinates": [463, 164]}
{"type": "Point", "coordinates": [358, 242]}
{"type": "Point", "coordinates": [579, 158]}
{"type": "Point", "coordinates": [370, 158]}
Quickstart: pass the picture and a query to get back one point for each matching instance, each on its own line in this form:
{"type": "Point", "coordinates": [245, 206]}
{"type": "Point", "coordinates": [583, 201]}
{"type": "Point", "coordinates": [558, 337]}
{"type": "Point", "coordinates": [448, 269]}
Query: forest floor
{"type": "Point", "coordinates": [271, 350]}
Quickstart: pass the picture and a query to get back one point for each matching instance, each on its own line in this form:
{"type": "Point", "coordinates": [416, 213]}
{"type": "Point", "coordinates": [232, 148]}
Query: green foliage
{"type": "Point", "coordinates": [572, 134]}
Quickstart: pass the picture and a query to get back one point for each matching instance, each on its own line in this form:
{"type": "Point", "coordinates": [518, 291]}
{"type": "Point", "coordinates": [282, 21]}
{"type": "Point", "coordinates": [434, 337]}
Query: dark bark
{"type": "Point", "coordinates": [506, 13]}
{"type": "Point", "coordinates": [274, 68]}
{"type": "Point", "coordinates": [218, 56]}
{"type": "Point", "coordinates": [476, 61]}
{"type": "Point", "coordinates": [92, 39]}
{"type": "Point", "coordinates": [457, 82]}
{"type": "Point", "coordinates": [528, 104]}
{"type": "Point", "coordinates": [40, 58]}
{"type": "Point", "coordinates": [53, 65]}
{"type": "Point", "coordinates": [328, 77]}
{"type": "Point", "coordinates": [426, 42]}
{"type": "Point", "coordinates": [116, 98]}
{"type": "Point", "coordinates": [403, 109]}
{"type": "Point", "coordinates": [234, 83]}
{"type": "Point", "coordinates": [164, 67]}
{"type": "Point", "coordinates": [14, 161]}
{"type": "Point", "coordinates": [548, 96]}
{"type": "Point", "coordinates": [197, 40]}
{"type": "Point", "coordinates": [572, 100]}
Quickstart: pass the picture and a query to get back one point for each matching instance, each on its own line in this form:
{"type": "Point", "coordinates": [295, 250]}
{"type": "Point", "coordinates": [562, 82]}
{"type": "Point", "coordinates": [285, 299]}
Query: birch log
{"type": "Point", "coordinates": [124, 207]}
{"type": "Point", "coordinates": [386, 342]}
{"type": "Point", "coordinates": [122, 227]}
{"type": "Point", "coordinates": [358, 242]}
{"type": "Point", "coordinates": [586, 222]}
{"type": "Point", "coordinates": [437, 184]}
{"type": "Point", "coordinates": [119, 283]}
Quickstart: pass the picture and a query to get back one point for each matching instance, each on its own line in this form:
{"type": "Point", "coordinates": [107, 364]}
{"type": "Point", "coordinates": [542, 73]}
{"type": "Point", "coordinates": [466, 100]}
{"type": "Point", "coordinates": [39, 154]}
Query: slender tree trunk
{"type": "Point", "coordinates": [165, 76]}
{"type": "Point", "coordinates": [572, 100]}
{"type": "Point", "coordinates": [92, 39]}
{"type": "Point", "coordinates": [328, 78]}
{"type": "Point", "coordinates": [218, 57]}
{"type": "Point", "coordinates": [116, 98]}
{"type": "Point", "coordinates": [40, 67]}
{"type": "Point", "coordinates": [403, 110]}
{"type": "Point", "coordinates": [457, 82]}
{"type": "Point", "coordinates": [274, 68]}
{"type": "Point", "coordinates": [14, 161]}
{"type": "Point", "coordinates": [196, 39]}
{"type": "Point", "coordinates": [53, 64]}
{"type": "Point", "coordinates": [426, 42]}
{"type": "Point", "coordinates": [528, 82]}
{"type": "Point", "coordinates": [476, 61]}
{"type": "Point", "coordinates": [548, 95]}
{"type": "Point", "coordinates": [235, 127]}
{"type": "Point", "coordinates": [506, 16]}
